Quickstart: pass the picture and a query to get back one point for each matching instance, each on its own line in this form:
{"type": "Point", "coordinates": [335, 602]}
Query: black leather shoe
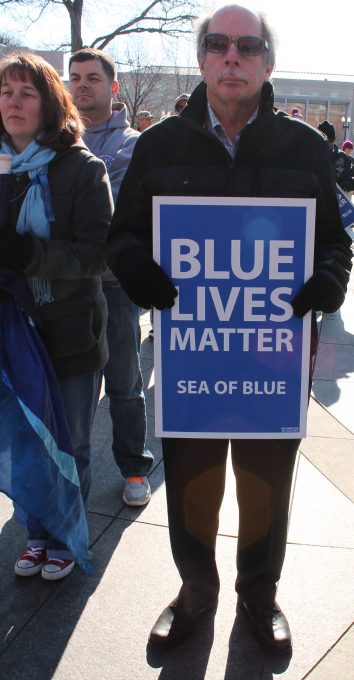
{"type": "Point", "coordinates": [175, 624]}
{"type": "Point", "coordinates": [270, 626]}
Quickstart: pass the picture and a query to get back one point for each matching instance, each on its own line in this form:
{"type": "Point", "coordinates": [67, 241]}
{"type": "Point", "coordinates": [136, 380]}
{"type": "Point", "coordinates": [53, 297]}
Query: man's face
{"type": "Point", "coordinates": [180, 106]}
{"type": "Point", "coordinates": [234, 77]}
{"type": "Point", "coordinates": [143, 123]}
{"type": "Point", "coordinates": [90, 87]}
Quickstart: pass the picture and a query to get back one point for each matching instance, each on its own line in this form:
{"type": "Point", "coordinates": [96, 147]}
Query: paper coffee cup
{"type": "Point", "coordinates": [5, 163]}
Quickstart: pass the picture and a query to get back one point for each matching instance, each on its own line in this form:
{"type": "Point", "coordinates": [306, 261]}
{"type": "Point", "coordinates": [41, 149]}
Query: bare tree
{"type": "Point", "coordinates": [186, 76]}
{"type": "Point", "coordinates": [75, 8]}
{"type": "Point", "coordinates": [9, 40]}
{"type": "Point", "coordinates": [164, 17]}
{"type": "Point", "coordinates": [139, 83]}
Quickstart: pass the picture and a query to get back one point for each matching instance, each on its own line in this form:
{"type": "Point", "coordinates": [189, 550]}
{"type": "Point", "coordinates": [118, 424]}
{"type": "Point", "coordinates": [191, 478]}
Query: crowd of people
{"type": "Point", "coordinates": [342, 162]}
{"type": "Point", "coordinates": [145, 118]}
{"type": "Point", "coordinates": [76, 240]}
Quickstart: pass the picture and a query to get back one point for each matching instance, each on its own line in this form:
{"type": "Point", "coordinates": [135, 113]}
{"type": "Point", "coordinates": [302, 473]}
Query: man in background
{"type": "Point", "coordinates": [143, 120]}
{"type": "Point", "coordinates": [347, 148]}
{"type": "Point", "coordinates": [93, 85]}
{"type": "Point", "coordinates": [340, 161]}
{"type": "Point", "coordinates": [296, 113]}
{"type": "Point", "coordinates": [180, 102]}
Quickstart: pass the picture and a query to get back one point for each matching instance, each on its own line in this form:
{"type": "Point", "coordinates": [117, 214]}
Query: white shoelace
{"type": "Point", "coordinates": [34, 551]}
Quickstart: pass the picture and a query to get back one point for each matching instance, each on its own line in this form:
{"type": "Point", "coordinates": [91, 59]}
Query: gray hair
{"type": "Point", "coordinates": [202, 27]}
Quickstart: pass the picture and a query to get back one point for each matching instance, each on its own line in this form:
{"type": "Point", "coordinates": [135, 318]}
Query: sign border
{"type": "Point", "coordinates": [310, 205]}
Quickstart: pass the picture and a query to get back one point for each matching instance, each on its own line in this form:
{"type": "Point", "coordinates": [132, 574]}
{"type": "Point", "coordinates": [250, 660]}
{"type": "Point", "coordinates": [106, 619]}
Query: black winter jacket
{"type": "Point", "coordinates": [343, 168]}
{"type": "Point", "coordinates": [73, 326]}
{"type": "Point", "coordinates": [277, 156]}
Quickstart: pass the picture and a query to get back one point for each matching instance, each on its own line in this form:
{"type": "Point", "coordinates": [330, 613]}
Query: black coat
{"type": "Point", "coordinates": [73, 326]}
{"type": "Point", "coordinates": [343, 168]}
{"type": "Point", "coordinates": [277, 156]}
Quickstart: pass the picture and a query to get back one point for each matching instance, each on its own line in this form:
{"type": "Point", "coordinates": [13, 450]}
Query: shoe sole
{"type": "Point", "coordinates": [57, 575]}
{"type": "Point", "coordinates": [30, 571]}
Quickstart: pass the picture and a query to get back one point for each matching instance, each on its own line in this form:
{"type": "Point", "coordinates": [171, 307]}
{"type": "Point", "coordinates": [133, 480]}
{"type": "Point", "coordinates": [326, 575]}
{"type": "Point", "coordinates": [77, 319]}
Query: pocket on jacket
{"type": "Point", "coordinates": [71, 326]}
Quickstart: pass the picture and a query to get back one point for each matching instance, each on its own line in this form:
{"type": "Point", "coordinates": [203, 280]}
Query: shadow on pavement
{"type": "Point", "coordinates": [332, 362]}
{"type": "Point", "coordinates": [37, 618]}
{"type": "Point", "coordinates": [246, 659]}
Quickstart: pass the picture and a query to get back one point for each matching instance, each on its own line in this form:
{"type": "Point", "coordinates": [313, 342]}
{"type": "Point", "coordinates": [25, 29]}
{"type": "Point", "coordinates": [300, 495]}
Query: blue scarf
{"type": "Point", "coordinates": [36, 212]}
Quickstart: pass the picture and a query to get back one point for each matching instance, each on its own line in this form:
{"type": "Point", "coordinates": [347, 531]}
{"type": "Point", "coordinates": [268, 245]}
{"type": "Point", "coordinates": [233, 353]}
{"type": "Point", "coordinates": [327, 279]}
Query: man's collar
{"type": "Point", "coordinates": [214, 120]}
{"type": "Point", "coordinates": [197, 103]}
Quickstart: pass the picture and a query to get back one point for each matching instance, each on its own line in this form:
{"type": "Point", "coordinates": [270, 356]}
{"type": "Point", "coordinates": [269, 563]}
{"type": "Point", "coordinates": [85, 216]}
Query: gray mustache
{"type": "Point", "coordinates": [238, 75]}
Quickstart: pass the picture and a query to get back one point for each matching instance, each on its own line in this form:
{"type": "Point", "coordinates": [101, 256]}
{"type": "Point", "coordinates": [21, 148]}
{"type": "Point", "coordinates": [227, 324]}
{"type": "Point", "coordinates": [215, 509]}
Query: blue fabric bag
{"type": "Point", "coordinates": [37, 466]}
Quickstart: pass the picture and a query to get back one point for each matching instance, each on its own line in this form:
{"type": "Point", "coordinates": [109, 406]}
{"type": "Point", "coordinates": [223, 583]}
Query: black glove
{"type": "Point", "coordinates": [142, 278]}
{"type": "Point", "coordinates": [16, 250]}
{"type": "Point", "coordinates": [325, 290]}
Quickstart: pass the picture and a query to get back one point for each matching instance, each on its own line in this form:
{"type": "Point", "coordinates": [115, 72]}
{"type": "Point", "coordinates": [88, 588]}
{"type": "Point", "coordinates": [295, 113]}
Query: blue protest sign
{"type": "Point", "coordinates": [231, 359]}
{"type": "Point", "coordinates": [346, 208]}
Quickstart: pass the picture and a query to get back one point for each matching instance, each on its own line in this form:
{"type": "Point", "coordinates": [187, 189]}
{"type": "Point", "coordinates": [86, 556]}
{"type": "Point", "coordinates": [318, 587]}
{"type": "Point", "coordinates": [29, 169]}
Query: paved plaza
{"type": "Point", "coordinates": [96, 627]}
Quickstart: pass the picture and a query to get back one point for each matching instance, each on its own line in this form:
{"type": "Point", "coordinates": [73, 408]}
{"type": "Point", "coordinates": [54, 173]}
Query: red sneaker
{"type": "Point", "coordinates": [30, 561]}
{"type": "Point", "coordinates": [54, 569]}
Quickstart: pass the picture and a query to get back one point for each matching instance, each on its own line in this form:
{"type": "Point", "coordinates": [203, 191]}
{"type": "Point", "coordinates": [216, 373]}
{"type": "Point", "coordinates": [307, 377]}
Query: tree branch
{"type": "Point", "coordinates": [149, 20]}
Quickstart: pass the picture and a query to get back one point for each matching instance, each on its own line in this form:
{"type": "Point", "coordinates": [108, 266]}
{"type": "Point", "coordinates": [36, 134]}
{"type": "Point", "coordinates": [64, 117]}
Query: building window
{"type": "Point", "coordinates": [316, 113]}
{"type": "Point", "coordinates": [336, 111]}
{"type": "Point", "coordinates": [296, 104]}
{"type": "Point", "coordinates": [279, 103]}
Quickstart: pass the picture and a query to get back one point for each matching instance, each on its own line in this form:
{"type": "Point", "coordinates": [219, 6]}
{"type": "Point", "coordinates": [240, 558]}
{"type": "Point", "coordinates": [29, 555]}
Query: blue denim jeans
{"type": "Point", "coordinates": [79, 397]}
{"type": "Point", "coordinates": [124, 383]}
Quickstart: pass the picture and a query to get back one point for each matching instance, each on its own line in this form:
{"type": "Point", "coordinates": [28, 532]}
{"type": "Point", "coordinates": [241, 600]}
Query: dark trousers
{"type": "Point", "coordinates": [195, 481]}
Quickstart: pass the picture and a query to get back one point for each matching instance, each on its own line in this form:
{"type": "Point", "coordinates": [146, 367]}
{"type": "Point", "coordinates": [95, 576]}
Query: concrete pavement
{"type": "Point", "coordinates": [96, 628]}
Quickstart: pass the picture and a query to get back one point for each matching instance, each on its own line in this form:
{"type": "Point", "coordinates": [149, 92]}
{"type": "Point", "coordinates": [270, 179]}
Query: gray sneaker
{"type": "Point", "coordinates": [136, 491]}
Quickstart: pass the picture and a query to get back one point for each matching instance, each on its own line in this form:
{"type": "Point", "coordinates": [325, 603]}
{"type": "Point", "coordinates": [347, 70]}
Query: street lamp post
{"type": "Point", "coordinates": [346, 120]}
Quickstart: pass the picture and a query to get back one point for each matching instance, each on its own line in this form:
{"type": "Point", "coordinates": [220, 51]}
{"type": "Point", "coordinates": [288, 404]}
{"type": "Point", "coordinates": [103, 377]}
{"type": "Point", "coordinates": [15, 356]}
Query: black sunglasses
{"type": "Point", "coordinates": [248, 45]}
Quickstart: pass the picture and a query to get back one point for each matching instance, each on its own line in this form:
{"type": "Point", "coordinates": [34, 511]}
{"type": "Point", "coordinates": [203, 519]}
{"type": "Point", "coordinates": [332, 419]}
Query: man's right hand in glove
{"type": "Point", "coordinates": [142, 278]}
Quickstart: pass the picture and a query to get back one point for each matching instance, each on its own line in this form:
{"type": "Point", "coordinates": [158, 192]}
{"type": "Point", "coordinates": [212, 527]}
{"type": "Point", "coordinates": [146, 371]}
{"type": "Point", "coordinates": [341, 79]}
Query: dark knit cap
{"type": "Point", "coordinates": [328, 129]}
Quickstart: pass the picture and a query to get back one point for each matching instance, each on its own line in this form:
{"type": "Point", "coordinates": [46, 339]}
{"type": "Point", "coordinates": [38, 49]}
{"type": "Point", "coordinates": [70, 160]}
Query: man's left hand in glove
{"type": "Point", "coordinates": [16, 250]}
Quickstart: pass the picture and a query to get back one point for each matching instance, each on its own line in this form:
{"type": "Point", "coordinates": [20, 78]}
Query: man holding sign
{"type": "Point", "coordinates": [229, 142]}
